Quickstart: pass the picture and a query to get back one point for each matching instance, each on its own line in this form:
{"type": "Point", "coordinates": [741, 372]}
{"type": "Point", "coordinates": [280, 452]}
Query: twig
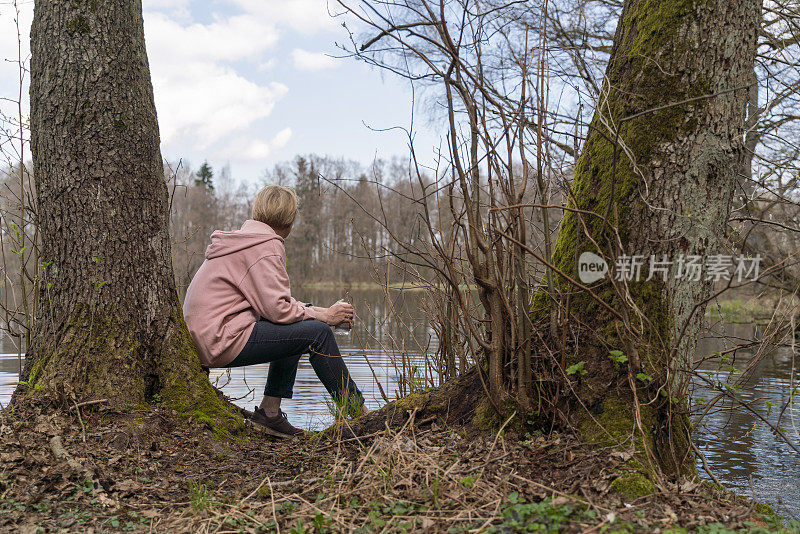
{"type": "Point", "coordinates": [86, 403]}
{"type": "Point", "coordinates": [272, 500]}
{"type": "Point", "coordinates": [706, 468]}
{"type": "Point", "coordinates": [266, 479]}
{"type": "Point", "coordinates": [80, 419]}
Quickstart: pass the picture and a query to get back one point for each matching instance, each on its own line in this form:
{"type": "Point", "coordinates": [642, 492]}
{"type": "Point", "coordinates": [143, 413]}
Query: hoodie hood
{"type": "Point", "coordinates": [251, 234]}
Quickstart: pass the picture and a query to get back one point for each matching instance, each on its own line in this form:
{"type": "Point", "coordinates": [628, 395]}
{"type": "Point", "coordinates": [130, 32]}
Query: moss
{"type": "Point", "coordinates": [633, 483]}
{"type": "Point", "coordinates": [78, 26]}
{"type": "Point", "coordinates": [101, 355]}
{"type": "Point", "coordinates": [614, 424]}
{"type": "Point", "coordinates": [765, 509]}
{"type": "Point", "coordinates": [723, 494]}
{"type": "Point", "coordinates": [680, 437]}
{"type": "Point", "coordinates": [637, 81]}
{"type": "Point", "coordinates": [712, 486]}
{"type": "Point", "coordinates": [633, 125]}
{"type": "Point", "coordinates": [193, 396]}
{"type": "Point", "coordinates": [35, 371]}
{"type": "Point", "coordinates": [414, 400]}
{"type": "Point", "coordinates": [485, 417]}
{"type": "Point", "coordinates": [94, 355]}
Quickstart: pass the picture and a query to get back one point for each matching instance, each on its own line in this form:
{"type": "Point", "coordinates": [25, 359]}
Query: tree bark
{"type": "Point", "coordinates": [658, 169]}
{"type": "Point", "coordinates": [110, 324]}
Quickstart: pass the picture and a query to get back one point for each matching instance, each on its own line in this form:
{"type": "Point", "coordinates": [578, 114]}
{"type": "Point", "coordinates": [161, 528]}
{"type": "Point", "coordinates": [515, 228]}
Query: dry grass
{"type": "Point", "coordinates": [148, 471]}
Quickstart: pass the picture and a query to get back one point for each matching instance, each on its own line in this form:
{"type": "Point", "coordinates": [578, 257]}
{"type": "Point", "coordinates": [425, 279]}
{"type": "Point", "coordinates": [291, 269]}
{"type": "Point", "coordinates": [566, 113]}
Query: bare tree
{"type": "Point", "coordinates": [656, 176]}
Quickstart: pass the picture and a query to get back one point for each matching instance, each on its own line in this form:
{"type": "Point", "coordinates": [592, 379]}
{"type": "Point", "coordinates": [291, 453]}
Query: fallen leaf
{"type": "Point", "coordinates": [105, 501]}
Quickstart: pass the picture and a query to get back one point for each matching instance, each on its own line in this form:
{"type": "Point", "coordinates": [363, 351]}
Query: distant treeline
{"type": "Point", "coordinates": [343, 233]}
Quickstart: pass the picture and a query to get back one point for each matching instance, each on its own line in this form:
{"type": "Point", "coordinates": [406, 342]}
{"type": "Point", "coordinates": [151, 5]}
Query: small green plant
{"type": "Point", "coordinates": [577, 369]}
{"type": "Point", "coordinates": [299, 529]}
{"type": "Point", "coordinates": [322, 524]}
{"type": "Point", "coordinates": [521, 516]}
{"type": "Point", "coordinates": [199, 496]}
{"type": "Point", "coordinates": [417, 379]}
{"type": "Point", "coordinates": [99, 283]}
{"type": "Point", "coordinates": [617, 357]}
{"type": "Point", "coordinates": [346, 406]}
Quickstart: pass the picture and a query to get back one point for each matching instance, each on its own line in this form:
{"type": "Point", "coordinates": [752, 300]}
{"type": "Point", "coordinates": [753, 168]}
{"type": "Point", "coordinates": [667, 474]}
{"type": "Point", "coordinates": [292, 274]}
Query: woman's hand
{"type": "Point", "coordinates": [341, 312]}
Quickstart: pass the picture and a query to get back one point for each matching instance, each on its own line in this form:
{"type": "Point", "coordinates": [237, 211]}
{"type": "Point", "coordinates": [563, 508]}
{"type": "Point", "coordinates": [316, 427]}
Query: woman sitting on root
{"type": "Point", "coordinates": [240, 311]}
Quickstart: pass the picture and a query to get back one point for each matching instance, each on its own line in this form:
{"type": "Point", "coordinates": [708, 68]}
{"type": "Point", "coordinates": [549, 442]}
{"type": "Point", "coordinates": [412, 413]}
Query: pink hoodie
{"type": "Point", "coordinates": [242, 279]}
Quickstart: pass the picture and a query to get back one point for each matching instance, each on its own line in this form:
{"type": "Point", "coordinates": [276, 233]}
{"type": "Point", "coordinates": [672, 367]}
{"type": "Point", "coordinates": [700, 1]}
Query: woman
{"type": "Point", "coordinates": [240, 311]}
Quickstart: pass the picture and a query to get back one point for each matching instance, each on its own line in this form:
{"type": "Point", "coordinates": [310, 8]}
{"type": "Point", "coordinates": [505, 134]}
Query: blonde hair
{"type": "Point", "coordinates": [276, 206]}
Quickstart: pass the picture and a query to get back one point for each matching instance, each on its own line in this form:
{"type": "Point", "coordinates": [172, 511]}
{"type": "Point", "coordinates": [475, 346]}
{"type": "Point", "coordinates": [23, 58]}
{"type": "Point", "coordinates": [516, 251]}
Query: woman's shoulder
{"type": "Point", "coordinates": [274, 247]}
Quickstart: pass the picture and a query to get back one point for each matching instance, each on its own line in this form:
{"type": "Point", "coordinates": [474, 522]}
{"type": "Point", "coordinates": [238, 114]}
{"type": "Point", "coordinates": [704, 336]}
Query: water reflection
{"type": "Point", "coordinates": [739, 447]}
{"type": "Point", "coordinates": [10, 365]}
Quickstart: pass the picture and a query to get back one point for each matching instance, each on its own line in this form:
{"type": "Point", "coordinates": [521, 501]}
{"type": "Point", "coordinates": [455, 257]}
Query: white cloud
{"type": "Point", "coordinates": [312, 61]}
{"type": "Point", "coordinates": [255, 149]}
{"type": "Point", "coordinates": [304, 16]}
{"type": "Point", "coordinates": [208, 76]}
{"type": "Point", "coordinates": [176, 8]}
{"type": "Point", "coordinates": [241, 37]}
{"type": "Point", "coordinates": [204, 103]}
{"type": "Point", "coordinates": [267, 65]}
{"type": "Point", "coordinates": [200, 98]}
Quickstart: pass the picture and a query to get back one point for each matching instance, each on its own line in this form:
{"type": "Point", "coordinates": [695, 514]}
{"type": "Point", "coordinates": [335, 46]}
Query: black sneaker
{"type": "Point", "coordinates": [276, 426]}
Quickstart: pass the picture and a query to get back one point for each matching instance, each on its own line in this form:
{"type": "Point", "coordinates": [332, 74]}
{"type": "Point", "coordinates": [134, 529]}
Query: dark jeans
{"type": "Point", "coordinates": [282, 345]}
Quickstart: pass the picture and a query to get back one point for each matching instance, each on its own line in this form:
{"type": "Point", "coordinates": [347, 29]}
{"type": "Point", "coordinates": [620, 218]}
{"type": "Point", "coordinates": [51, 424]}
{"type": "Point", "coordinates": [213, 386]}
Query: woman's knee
{"type": "Point", "coordinates": [324, 339]}
{"type": "Point", "coordinates": [319, 329]}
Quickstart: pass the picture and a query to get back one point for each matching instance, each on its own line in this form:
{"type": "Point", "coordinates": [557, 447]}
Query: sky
{"type": "Point", "coordinates": [251, 83]}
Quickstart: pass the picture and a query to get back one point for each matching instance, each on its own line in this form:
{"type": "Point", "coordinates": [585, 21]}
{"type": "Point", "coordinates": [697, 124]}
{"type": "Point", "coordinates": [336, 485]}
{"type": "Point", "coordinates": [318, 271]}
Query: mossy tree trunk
{"type": "Point", "coordinates": [110, 324]}
{"type": "Point", "coordinates": [658, 171]}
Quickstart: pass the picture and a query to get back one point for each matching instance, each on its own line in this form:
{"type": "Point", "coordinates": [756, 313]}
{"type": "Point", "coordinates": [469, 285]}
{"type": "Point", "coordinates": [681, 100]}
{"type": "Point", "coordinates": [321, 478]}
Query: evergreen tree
{"type": "Point", "coordinates": [205, 177]}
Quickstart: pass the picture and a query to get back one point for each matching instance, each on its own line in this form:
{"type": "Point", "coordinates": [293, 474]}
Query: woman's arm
{"type": "Point", "coordinates": [341, 312]}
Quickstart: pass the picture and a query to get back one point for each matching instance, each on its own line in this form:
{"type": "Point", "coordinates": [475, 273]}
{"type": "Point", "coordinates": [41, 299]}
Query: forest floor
{"type": "Point", "coordinates": [99, 469]}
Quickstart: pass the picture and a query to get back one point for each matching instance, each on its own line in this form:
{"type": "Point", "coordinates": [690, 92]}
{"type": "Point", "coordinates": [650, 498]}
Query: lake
{"type": "Point", "coordinates": [741, 450]}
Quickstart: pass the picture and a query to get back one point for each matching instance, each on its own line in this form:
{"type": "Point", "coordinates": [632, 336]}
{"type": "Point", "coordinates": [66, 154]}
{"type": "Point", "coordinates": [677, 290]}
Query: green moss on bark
{"type": "Point", "coordinates": [78, 26]}
{"type": "Point", "coordinates": [193, 395]}
{"type": "Point", "coordinates": [648, 107]}
{"type": "Point", "coordinates": [615, 424]}
{"type": "Point", "coordinates": [633, 483]}
{"type": "Point", "coordinates": [101, 355]}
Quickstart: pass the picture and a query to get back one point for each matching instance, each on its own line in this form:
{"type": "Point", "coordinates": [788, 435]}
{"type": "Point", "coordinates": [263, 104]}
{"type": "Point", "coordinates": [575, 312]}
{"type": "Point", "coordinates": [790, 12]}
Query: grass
{"type": "Point", "coordinates": [200, 496]}
{"type": "Point", "coordinates": [739, 308]}
{"type": "Point", "coordinates": [346, 407]}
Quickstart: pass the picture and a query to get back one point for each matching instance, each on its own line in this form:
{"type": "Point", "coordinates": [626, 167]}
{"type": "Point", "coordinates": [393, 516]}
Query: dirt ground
{"type": "Point", "coordinates": [101, 469]}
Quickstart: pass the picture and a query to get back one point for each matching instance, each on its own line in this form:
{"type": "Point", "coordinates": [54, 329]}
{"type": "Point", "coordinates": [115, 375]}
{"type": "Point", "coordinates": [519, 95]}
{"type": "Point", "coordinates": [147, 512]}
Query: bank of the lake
{"type": "Point", "coordinates": [106, 470]}
{"type": "Point", "coordinates": [743, 454]}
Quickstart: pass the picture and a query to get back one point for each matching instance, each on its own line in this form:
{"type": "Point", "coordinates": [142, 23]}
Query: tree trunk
{"type": "Point", "coordinates": [658, 171]}
{"type": "Point", "coordinates": [110, 324]}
